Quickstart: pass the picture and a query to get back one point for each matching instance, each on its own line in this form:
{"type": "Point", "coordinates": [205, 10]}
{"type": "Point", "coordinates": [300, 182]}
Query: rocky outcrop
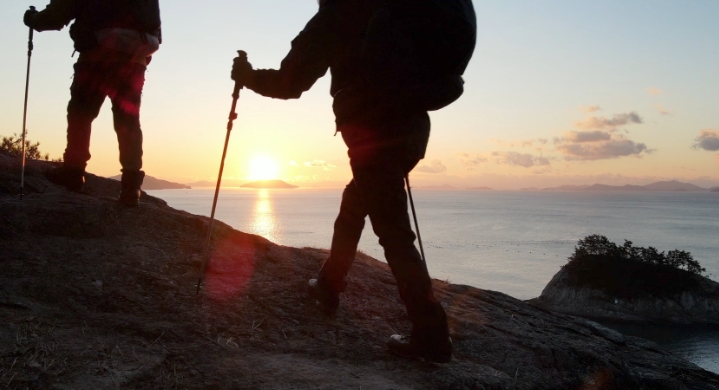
{"type": "Point", "coordinates": [94, 295]}
{"type": "Point", "coordinates": [698, 306]}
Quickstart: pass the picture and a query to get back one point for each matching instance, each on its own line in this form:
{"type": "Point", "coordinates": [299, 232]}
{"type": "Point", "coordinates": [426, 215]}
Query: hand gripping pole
{"type": "Point", "coordinates": [24, 114]}
{"type": "Point", "coordinates": [233, 116]}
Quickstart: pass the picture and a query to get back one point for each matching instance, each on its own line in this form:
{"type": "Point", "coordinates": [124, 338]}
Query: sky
{"type": "Point", "coordinates": [558, 92]}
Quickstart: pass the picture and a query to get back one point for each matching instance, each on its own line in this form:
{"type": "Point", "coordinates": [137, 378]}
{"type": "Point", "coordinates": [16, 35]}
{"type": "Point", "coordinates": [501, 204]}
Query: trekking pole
{"type": "Point", "coordinates": [233, 116]}
{"type": "Point", "coordinates": [414, 215]}
{"type": "Point", "coordinates": [24, 114]}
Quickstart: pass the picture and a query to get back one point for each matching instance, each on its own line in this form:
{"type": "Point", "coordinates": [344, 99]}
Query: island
{"type": "Point", "coordinates": [202, 183]}
{"type": "Point", "coordinates": [606, 281]}
{"type": "Point", "coordinates": [269, 184]}
{"type": "Point", "coordinates": [153, 183]}
{"type": "Point", "coordinates": [670, 185]}
{"type": "Point", "coordinates": [443, 187]}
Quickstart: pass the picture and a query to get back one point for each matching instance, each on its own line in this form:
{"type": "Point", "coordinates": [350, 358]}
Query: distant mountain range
{"type": "Point", "coordinates": [153, 183]}
{"type": "Point", "coordinates": [440, 187]}
{"type": "Point", "coordinates": [671, 185]}
{"type": "Point", "coordinates": [202, 183]}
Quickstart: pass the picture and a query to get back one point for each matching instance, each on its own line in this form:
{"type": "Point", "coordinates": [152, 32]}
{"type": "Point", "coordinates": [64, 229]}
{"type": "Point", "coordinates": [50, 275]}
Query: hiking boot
{"type": "Point", "coordinates": [71, 178]}
{"type": "Point", "coordinates": [328, 299]}
{"type": "Point", "coordinates": [131, 184]}
{"type": "Point", "coordinates": [438, 350]}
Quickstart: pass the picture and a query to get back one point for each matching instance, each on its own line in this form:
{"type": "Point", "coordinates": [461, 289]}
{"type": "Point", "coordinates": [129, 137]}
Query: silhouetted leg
{"type": "Point", "coordinates": [347, 232]}
{"type": "Point", "coordinates": [381, 187]}
{"type": "Point", "coordinates": [87, 94]}
{"type": "Point", "coordinates": [126, 100]}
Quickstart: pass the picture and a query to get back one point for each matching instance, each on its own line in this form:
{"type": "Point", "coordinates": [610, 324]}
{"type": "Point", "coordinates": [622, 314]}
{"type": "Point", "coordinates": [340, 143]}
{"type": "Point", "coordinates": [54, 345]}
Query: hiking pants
{"type": "Point", "coordinates": [122, 82]}
{"type": "Point", "coordinates": [379, 165]}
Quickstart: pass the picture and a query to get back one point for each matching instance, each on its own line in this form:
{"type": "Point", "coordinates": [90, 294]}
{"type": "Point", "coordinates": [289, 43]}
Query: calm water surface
{"type": "Point", "coordinates": [513, 242]}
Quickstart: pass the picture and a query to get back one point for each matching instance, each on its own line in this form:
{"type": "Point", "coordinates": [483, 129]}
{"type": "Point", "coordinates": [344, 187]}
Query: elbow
{"type": "Point", "coordinates": [294, 90]}
{"type": "Point", "coordinates": [294, 94]}
{"type": "Point", "coordinates": [277, 85]}
{"type": "Point", "coordinates": [276, 93]}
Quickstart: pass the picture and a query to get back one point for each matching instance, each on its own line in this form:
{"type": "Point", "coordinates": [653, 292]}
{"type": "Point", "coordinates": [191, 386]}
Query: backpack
{"type": "Point", "coordinates": [94, 15]}
{"type": "Point", "coordinates": [419, 49]}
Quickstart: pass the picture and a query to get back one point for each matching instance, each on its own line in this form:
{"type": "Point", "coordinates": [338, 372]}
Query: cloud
{"type": "Point", "coordinates": [319, 164]}
{"type": "Point", "coordinates": [525, 160]}
{"type": "Point", "coordinates": [472, 161]}
{"type": "Point", "coordinates": [501, 143]}
{"type": "Point", "coordinates": [586, 136]}
{"type": "Point", "coordinates": [662, 111]}
{"type": "Point", "coordinates": [654, 91]}
{"type": "Point", "coordinates": [602, 123]}
{"type": "Point", "coordinates": [614, 147]}
{"type": "Point", "coordinates": [590, 109]}
{"type": "Point", "coordinates": [435, 166]}
{"type": "Point", "coordinates": [531, 142]}
{"type": "Point", "coordinates": [707, 140]}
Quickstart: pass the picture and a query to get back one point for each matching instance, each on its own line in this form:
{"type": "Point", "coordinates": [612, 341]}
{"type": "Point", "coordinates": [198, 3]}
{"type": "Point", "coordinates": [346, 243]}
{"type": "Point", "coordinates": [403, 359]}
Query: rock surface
{"type": "Point", "coordinates": [699, 306]}
{"type": "Point", "coordinates": [98, 296]}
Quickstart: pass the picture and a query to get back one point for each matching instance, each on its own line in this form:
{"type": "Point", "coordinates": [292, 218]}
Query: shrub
{"type": "Point", "coordinates": [627, 271]}
{"type": "Point", "coordinates": [599, 245]}
{"type": "Point", "coordinates": [13, 146]}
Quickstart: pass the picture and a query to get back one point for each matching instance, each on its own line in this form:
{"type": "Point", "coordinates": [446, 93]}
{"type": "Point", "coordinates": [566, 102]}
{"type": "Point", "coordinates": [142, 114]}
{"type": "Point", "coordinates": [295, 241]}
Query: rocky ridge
{"type": "Point", "coordinates": [96, 295]}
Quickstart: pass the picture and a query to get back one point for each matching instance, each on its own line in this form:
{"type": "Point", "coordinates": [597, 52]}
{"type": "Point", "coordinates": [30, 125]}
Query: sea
{"type": "Point", "coordinates": [507, 241]}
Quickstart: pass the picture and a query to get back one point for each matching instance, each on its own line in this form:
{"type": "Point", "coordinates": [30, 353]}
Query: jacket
{"type": "Point", "coordinates": [59, 13]}
{"type": "Point", "coordinates": [331, 40]}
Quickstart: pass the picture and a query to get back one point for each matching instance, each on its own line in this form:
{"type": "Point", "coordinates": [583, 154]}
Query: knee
{"type": "Point", "coordinates": [79, 111]}
{"type": "Point", "coordinates": [126, 121]}
{"type": "Point", "coordinates": [126, 109]}
{"type": "Point", "coordinates": [348, 221]}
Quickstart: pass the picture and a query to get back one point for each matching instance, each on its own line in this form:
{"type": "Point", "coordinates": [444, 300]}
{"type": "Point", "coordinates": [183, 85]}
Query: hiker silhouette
{"type": "Point", "coordinates": [116, 41]}
{"type": "Point", "coordinates": [391, 62]}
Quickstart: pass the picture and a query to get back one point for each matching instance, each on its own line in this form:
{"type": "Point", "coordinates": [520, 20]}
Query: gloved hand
{"type": "Point", "coordinates": [29, 16]}
{"type": "Point", "coordinates": [241, 70]}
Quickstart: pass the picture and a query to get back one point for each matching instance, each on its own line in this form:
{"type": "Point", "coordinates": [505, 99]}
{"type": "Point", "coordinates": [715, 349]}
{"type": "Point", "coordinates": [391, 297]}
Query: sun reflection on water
{"type": "Point", "coordinates": [263, 222]}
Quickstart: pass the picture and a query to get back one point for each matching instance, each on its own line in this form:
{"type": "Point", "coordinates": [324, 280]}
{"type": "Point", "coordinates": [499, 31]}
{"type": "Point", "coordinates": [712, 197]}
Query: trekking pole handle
{"type": "Point", "coordinates": [241, 55]}
{"type": "Point", "coordinates": [29, 40]}
{"type": "Point", "coordinates": [236, 93]}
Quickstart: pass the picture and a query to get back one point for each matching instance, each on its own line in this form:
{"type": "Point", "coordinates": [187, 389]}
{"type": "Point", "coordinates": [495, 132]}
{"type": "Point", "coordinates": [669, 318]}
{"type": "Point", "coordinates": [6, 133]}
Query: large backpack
{"type": "Point", "coordinates": [419, 49]}
{"type": "Point", "coordinates": [94, 15]}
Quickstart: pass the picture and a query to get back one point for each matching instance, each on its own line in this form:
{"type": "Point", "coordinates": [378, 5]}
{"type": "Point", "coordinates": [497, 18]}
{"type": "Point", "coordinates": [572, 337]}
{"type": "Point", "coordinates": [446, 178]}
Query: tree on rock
{"type": "Point", "coordinates": [13, 146]}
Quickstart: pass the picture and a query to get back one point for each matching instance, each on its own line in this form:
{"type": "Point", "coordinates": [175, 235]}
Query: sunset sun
{"type": "Point", "coordinates": [263, 168]}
